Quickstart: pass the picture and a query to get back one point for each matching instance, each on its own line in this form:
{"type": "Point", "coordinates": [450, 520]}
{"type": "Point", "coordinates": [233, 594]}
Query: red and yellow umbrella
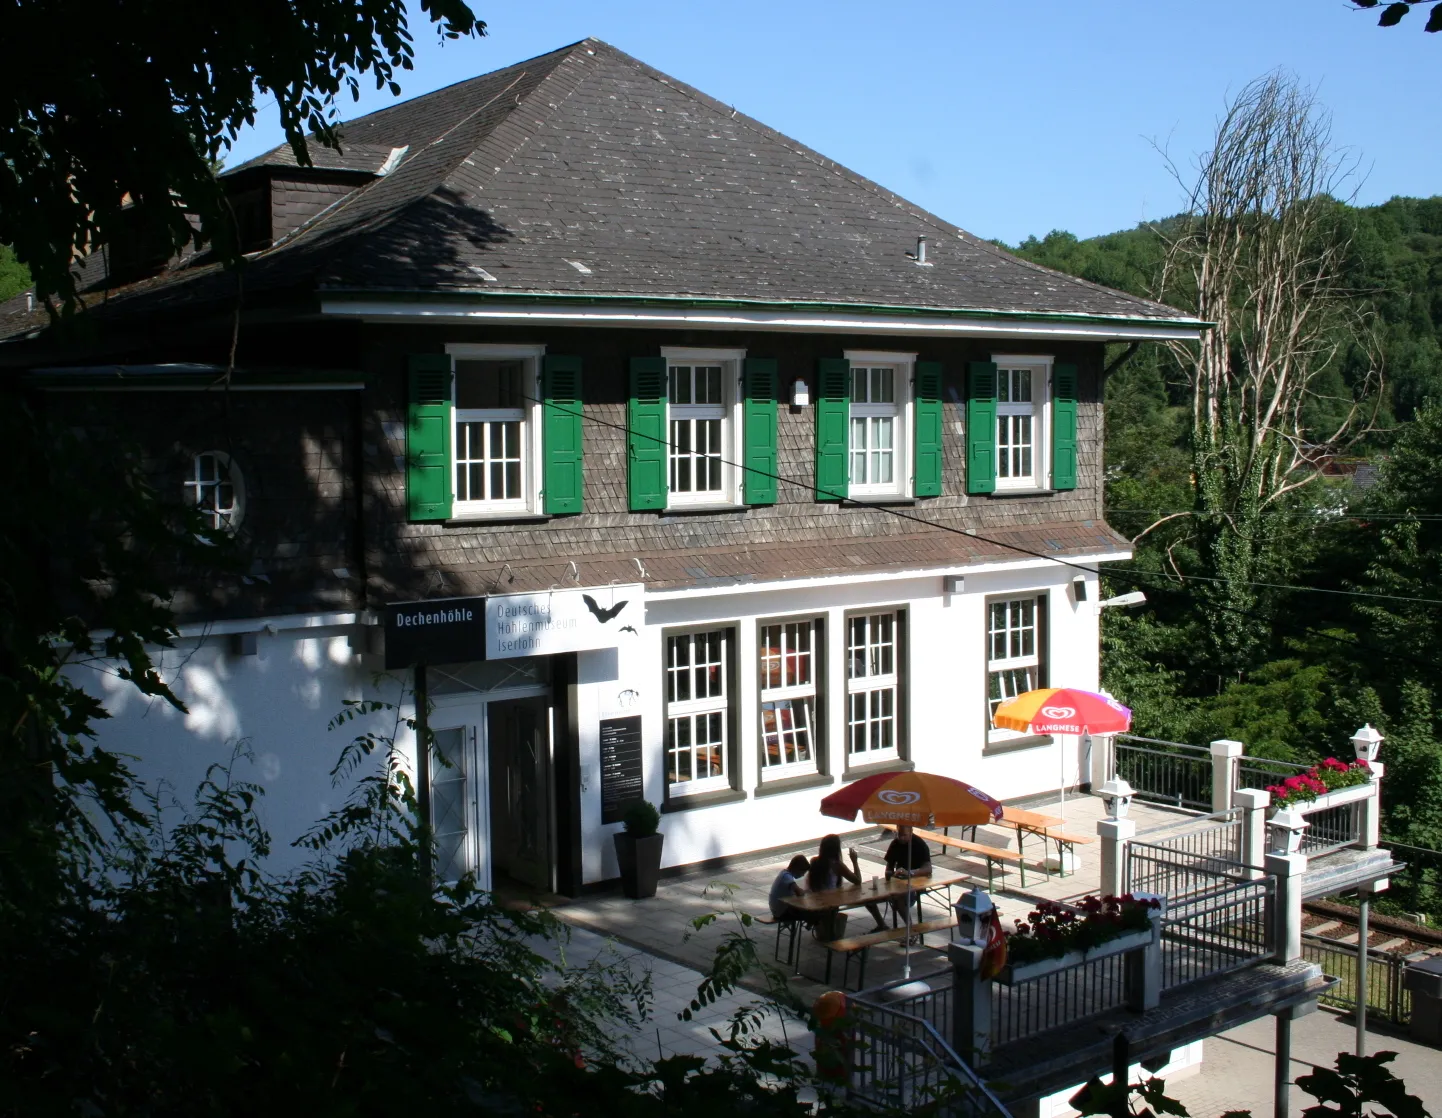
{"type": "Point", "coordinates": [920, 799]}
{"type": "Point", "coordinates": [1062, 710]}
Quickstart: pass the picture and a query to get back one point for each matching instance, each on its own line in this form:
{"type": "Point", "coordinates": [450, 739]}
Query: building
{"type": "Point", "coordinates": [664, 456]}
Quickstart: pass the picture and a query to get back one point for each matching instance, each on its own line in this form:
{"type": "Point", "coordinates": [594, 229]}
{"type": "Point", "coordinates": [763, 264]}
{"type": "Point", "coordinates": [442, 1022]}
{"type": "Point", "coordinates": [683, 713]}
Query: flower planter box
{"type": "Point", "coordinates": [1014, 974]}
{"type": "Point", "coordinates": [1335, 798]}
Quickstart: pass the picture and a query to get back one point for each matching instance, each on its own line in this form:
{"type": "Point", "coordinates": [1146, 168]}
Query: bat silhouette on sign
{"type": "Point", "coordinates": [628, 628]}
{"type": "Point", "coordinates": [602, 615]}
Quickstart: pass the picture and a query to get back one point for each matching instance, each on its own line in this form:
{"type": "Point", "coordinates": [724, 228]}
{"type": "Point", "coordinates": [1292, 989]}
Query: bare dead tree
{"type": "Point", "coordinates": [1261, 253]}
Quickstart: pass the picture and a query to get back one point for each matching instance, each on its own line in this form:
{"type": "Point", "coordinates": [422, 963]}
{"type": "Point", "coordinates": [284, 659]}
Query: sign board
{"type": "Point", "coordinates": [571, 620]}
{"type": "Point", "coordinates": [620, 766]}
{"type": "Point", "coordinates": [444, 631]}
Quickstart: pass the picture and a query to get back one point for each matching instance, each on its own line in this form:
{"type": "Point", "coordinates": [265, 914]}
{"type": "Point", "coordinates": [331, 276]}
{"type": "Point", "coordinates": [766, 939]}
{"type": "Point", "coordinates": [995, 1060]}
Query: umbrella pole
{"type": "Point", "coordinates": [906, 964]}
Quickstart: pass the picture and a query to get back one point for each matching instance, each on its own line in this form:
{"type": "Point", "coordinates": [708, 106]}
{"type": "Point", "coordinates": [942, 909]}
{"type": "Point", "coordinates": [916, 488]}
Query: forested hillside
{"type": "Point", "coordinates": [1343, 613]}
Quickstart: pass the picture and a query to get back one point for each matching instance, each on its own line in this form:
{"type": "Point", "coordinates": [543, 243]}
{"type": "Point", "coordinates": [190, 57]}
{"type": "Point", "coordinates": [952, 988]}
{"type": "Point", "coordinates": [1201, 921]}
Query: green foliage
{"type": "Point", "coordinates": [642, 819]}
{"type": "Point", "coordinates": [1392, 14]}
{"type": "Point", "coordinates": [73, 172]}
{"type": "Point", "coordinates": [1356, 1082]}
{"type": "Point", "coordinates": [14, 276]}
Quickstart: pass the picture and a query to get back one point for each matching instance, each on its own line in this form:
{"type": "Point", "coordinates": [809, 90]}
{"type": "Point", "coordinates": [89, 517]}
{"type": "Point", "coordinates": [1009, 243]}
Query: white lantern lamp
{"type": "Point", "coordinates": [1366, 742]}
{"type": "Point", "coordinates": [973, 916]}
{"type": "Point", "coordinates": [1286, 828]}
{"type": "Point", "coordinates": [1116, 795]}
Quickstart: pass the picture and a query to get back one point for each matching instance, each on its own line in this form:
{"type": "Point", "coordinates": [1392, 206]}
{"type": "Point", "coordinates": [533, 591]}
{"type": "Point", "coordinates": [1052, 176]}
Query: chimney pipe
{"type": "Point", "coordinates": [921, 250]}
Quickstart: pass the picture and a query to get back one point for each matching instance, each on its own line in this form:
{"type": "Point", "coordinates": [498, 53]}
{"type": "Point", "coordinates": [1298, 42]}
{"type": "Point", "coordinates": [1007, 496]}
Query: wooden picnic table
{"type": "Point", "coordinates": [873, 891]}
{"type": "Point", "coordinates": [1046, 827]}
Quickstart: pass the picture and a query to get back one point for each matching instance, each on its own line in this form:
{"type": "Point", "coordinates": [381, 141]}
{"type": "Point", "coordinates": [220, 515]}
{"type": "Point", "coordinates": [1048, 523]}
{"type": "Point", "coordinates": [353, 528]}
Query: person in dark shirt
{"type": "Point", "coordinates": [907, 856]}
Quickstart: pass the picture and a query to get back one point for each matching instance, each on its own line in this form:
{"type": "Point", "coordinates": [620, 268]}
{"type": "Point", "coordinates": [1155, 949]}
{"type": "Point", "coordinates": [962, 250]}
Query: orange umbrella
{"type": "Point", "coordinates": [920, 799]}
{"type": "Point", "coordinates": [1062, 710]}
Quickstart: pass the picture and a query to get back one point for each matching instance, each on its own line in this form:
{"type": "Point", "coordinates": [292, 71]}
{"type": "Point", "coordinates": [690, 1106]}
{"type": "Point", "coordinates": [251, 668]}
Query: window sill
{"type": "Point", "coordinates": [794, 784]}
{"type": "Point", "coordinates": [880, 499]}
{"type": "Point", "coordinates": [880, 767]}
{"type": "Point", "coordinates": [702, 799]}
{"type": "Point", "coordinates": [1005, 493]}
{"type": "Point", "coordinates": [1012, 745]}
{"type": "Point", "coordinates": [701, 510]}
{"type": "Point", "coordinates": [493, 518]}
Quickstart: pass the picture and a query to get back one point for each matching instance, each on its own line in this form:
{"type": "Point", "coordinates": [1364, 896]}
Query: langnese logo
{"type": "Point", "coordinates": [1060, 713]}
{"type": "Point", "coordinates": [897, 798]}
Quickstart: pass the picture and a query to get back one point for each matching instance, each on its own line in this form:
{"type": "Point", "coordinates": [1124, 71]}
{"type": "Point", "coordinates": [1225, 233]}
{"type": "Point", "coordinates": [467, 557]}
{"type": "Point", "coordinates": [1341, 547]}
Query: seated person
{"type": "Point", "coordinates": [907, 856]}
{"type": "Point", "coordinates": [788, 885]}
{"type": "Point", "coordinates": [828, 871]}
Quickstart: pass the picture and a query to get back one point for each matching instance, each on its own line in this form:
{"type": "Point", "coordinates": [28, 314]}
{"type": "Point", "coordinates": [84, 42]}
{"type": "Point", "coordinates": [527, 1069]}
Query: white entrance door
{"type": "Point", "coordinates": [459, 793]}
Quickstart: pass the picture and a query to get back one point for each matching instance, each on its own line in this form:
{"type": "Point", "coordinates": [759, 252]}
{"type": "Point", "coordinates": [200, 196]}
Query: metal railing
{"type": "Point", "coordinates": [901, 1061]}
{"type": "Point", "coordinates": [1059, 998]}
{"type": "Point", "coordinates": [1212, 933]}
{"type": "Point", "coordinates": [1217, 836]}
{"type": "Point", "coordinates": [1386, 995]}
{"type": "Point", "coordinates": [1260, 772]}
{"type": "Point", "coordinates": [1332, 829]}
{"type": "Point", "coordinates": [1176, 774]}
{"type": "Point", "coordinates": [1178, 874]}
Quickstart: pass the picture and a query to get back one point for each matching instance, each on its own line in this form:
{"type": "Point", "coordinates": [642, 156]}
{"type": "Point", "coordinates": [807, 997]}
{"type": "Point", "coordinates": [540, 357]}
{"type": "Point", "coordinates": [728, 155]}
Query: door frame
{"type": "Point", "coordinates": [470, 708]}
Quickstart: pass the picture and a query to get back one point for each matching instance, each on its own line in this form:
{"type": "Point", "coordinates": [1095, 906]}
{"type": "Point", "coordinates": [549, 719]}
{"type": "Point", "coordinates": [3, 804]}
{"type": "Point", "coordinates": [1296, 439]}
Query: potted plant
{"type": "Point", "coordinates": [1056, 936]}
{"type": "Point", "coordinates": [1319, 783]}
{"type": "Point", "coordinates": [638, 850]}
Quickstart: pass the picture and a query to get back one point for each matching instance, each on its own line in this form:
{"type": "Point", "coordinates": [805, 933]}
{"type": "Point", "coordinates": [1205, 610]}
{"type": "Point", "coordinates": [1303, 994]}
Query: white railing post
{"type": "Point", "coordinates": [1103, 764]}
{"type": "Point", "coordinates": [1224, 771]}
{"type": "Point", "coordinates": [1115, 834]}
{"type": "Point", "coordinates": [1253, 803]}
{"type": "Point", "coordinates": [1143, 973]}
{"type": "Point", "coordinates": [1285, 916]}
{"type": "Point", "coordinates": [970, 1004]}
{"type": "Point", "coordinates": [1369, 821]}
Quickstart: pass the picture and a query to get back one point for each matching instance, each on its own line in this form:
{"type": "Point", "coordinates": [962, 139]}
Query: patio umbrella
{"type": "Point", "coordinates": [1062, 710]}
{"type": "Point", "coordinates": [917, 799]}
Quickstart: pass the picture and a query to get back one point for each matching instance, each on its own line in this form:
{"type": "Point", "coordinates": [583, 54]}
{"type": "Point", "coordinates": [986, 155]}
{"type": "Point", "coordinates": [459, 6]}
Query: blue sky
{"type": "Point", "coordinates": [1006, 119]}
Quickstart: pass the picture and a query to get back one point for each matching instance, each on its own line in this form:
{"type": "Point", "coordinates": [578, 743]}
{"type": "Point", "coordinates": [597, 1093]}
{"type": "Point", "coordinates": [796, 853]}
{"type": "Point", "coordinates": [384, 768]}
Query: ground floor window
{"type": "Point", "coordinates": [874, 678]}
{"type": "Point", "coordinates": [788, 654]}
{"type": "Point", "coordinates": [1015, 651]}
{"type": "Point", "coordinates": [451, 803]}
{"type": "Point", "coordinates": [698, 712]}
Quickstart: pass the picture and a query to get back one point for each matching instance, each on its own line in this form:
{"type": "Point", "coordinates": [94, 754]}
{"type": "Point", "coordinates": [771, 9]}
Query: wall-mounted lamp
{"type": "Point", "coordinates": [243, 644]}
{"type": "Point", "coordinates": [800, 393]}
{"type": "Point", "coordinates": [1079, 589]}
{"type": "Point", "coordinates": [1134, 598]}
{"type": "Point", "coordinates": [953, 584]}
{"type": "Point", "coordinates": [1366, 742]}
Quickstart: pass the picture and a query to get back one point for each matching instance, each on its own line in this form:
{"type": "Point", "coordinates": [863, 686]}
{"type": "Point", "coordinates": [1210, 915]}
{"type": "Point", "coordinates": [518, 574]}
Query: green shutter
{"type": "Point", "coordinates": [833, 420]}
{"type": "Point", "coordinates": [981, 427]}
{"type": "Point", "coordinates": [1063, 427]}
{"type": "Point", "coordinates": [646, 438]}
{"type": "Point", "coordinates": [428, 437]}
{"type": "Point", "coordinates": [561, 435]}
{"type": "Point", "coordinates": [758, 432]}
{"type": "Point", "coordinates": [927, 470]}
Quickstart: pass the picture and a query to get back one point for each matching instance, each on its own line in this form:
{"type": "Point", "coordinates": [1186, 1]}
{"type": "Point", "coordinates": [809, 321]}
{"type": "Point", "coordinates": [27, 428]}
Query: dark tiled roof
{"type": "Point", "coordinates": [370, 158]}
{"type": "Point", "coordinates": [584, 172]}
{"type": "Point", "coordinates": [778, 562]}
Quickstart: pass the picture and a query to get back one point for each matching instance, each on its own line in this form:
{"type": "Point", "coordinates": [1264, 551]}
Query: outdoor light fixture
{"type": "Point", "coordinates": [1133, 598]}
{"type": "Point", "coordinates": [1366, 742]}
{"type": "Point", "coordinates": [953, 584]}
{"type": "Point", "coordinates": [1116, 795]}
{"type": "Point", "coordinates": [800, 394]}
{"type": "Point", "coordinates": [1079, 588]}
{"type": "Point", "coordinates": [973, 916]}
{"type": "Point", "coordinates": [1285, 830]}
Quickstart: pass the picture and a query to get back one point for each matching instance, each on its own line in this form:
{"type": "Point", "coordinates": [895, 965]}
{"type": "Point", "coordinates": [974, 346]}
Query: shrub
{"type": "Point", "coordinates": [642, 819]}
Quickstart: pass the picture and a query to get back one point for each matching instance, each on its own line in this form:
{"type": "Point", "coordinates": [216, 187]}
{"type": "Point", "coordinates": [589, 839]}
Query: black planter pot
{"type": "Point", "coordinates": [640, 860]}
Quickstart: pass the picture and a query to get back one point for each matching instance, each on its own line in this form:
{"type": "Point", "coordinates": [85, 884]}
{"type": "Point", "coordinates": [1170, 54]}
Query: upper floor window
{"type": "Point", "coordinates": [496, 432]}
{"type": "Point", "coordinates": [1023, 391]}
{"type": "Point", "coordinates": [873, 687]}
{"type": "Point", "coordinates": [216, 488]}
{"type": "Point", "coordinates": [1015, 651]}
{"type": "Point", "coordinates": [698, 712]}
{"type": "Point", "coordinates": [701, 402]}
{"type": "Point", "coordinates": [788, 654]}
{"type": "Point", "coordinates": [878, 434]}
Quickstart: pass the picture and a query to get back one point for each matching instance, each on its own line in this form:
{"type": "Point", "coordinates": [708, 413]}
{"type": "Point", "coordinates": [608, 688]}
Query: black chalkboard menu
{"type": "Point", "coordinates": [620, 766]}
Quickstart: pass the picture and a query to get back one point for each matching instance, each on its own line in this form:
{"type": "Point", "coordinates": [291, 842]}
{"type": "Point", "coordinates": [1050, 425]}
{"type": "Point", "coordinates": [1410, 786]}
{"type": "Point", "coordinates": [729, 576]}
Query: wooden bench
{"type": "Point", "coordinates": [1064, 839]}
{"type": "Point", "coordinates": [861, 945]}
{"type": "Point", "coordinates": [790, 928]}
{"type": "Point", "coordinates": [994, 855]}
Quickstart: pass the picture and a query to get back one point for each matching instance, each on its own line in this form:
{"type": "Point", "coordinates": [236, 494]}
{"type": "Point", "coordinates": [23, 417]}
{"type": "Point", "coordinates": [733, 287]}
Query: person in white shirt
{"type": "Point", "coordinates": [788, 885]}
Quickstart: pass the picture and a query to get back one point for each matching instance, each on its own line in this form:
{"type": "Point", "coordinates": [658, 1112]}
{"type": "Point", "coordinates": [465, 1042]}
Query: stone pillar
{"type": "Point", "coordinates": [1369, 821]}
{"type": "Point", "coordinates": [970, 1004]}
{"type": "Point", "coordinates": [1115, 834]}
{"type": "Point", "coordinates": [1103, 764]}
{"type": "Point", "coordinates": [1224, 771]}
{"type": "Point", "coordinates": [1253, 804]}
{"type": "Point", "coordinates": [1143, 969]}
{"type": "Point", "coordinates": [1285, 917]}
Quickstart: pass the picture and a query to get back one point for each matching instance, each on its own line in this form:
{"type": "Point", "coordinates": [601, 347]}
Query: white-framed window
{"type": "Point", "coordinates": [1023, 397]}
{"type": "Point", "coordinates": [703, 402]}
{"type": "Point", "coordinates": [217, 489]}
{"type": "Point", "coordinates": [698, 712]}
{"type": "Point", "coordinates": [873, 687]}
{"type": "Point", "coordinates": [1015, 650]}
{"type": "Point", "coordinates": [496, 437]}
{"type": "Point", "coordinates": [879, 435]}
{"type": "Point", "coordinates": [788, 659]}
